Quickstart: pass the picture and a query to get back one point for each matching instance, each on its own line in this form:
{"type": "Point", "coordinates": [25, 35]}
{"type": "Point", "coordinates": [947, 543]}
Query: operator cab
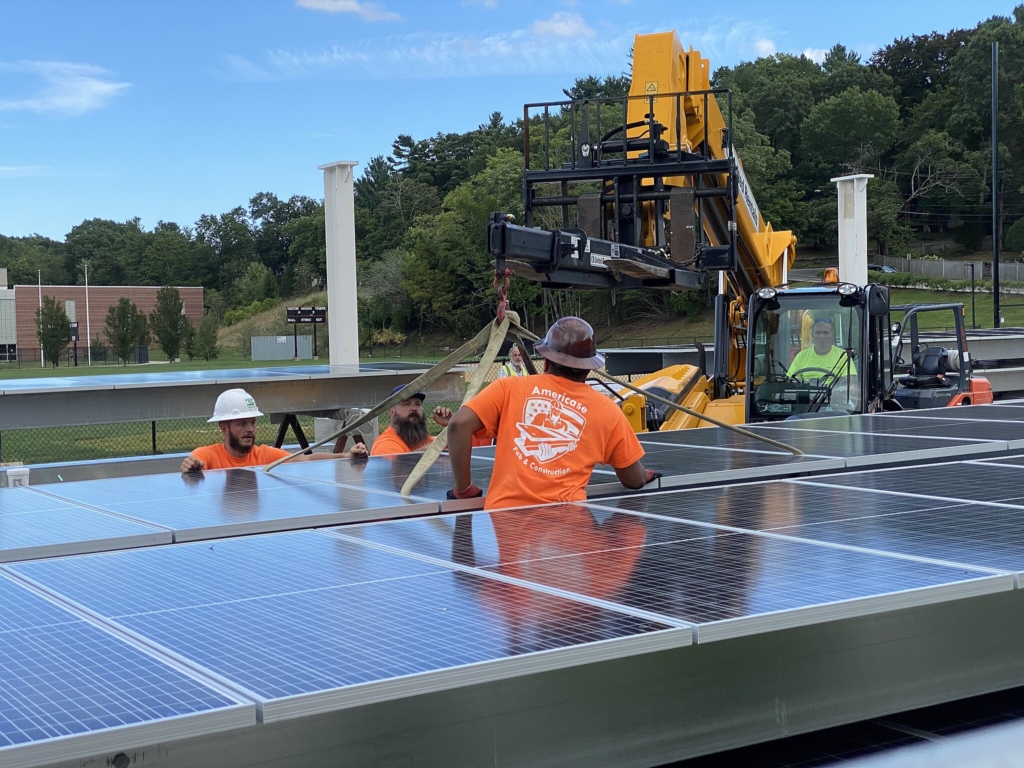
{"type": "Point", "coordinates": [806, 352]}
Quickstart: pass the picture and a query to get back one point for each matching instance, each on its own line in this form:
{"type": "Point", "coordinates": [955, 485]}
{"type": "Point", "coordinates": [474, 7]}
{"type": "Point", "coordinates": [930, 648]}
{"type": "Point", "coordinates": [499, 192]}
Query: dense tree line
{"type": "Point", "coordinates": [915, 114]}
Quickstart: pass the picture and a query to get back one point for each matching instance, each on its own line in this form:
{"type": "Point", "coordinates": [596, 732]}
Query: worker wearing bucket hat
{"type": "Point", "coordinates": [235, 412]}
{"type": "Point", "coordinates": [551, 429]}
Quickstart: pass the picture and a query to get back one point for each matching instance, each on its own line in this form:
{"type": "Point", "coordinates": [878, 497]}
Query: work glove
{"type": "Point", "coordinates": [652, 476]}
{"type": "Point", "coordinates": [470, 493]}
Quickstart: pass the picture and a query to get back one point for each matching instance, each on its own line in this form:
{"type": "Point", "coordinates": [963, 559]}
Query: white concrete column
{"type": "Point", "coordinates": [853, 228]}
{"type": "Point", "coordinates": [339, 218]}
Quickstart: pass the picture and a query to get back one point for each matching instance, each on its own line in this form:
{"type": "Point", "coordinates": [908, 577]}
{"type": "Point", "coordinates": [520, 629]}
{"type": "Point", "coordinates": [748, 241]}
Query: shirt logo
{"type": "Point", "coordinates": [548, 429]}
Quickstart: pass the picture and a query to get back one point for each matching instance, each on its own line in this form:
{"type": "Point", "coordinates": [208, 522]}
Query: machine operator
{"type": "Point", "coordinates": [815, 361]}
{"type": "Point", "coordinates": [551, 429]}
{"type": "Point", "coordinates": [235, 413]}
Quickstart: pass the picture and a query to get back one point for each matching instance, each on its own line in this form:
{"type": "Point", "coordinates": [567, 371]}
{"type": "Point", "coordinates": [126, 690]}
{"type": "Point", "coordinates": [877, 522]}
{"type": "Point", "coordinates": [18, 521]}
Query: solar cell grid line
{"type": "Point", "coordinates": [787, 534]}
{"type": "Point", "coordinates": [972, 535]}
{"type": "Point", "coordinates": [202, 573]}
{"type": "Point", "coordinates": [389, 473]}
{"type": "Point", "coordinates": [1005, 461]}
{"type": "Point", "coordinates": [369, 626]}
{"type": "Point", "coordinates": [235, 502]}
{"type": "Point", "coordinates": [976, 482]}
{"type": "Point", "coordinates": [70, 690]}
{"type": "Point", "coordinates": [726, 585]}
{"type": "Point", "coordinates": [854, 449]}
{"type": "Point", "coordinates": [995, 412]}
{"type": "Point", "coordinates": [765, 506]}
{"type": "Point", "coordinates": [33, 525]}
{"type": "Point", "coordinates": [925, 429]}
{"type": "Point", "coordinates": [941, 499]}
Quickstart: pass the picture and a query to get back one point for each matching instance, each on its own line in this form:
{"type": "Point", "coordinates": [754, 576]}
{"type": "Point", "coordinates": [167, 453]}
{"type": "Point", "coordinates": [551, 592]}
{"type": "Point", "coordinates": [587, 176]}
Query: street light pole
{"type": "Point", "coordinates": [995, 181]}
{"type": "Point", "coordinates": [42, 355]}
{"type": "Point", "coordinates": [974, 320]}
{"type": "Point", "coordinates": [88, 328]}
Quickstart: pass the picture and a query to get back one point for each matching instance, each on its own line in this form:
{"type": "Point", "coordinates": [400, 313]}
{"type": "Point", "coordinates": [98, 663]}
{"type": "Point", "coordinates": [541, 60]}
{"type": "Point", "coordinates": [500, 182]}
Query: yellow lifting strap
{"type": "Point", "coordinates": [493, 335]}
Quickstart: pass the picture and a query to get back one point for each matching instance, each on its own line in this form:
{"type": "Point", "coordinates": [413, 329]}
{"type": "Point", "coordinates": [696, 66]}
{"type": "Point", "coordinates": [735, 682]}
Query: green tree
{"type": "Point", "coordinates": [189, 342]}
{"type": "Point", "coordinates": [53, 329]}
{"type": "Point", "coordinates": [854, 129]}
{"type": "Point", "coordinates": [256, 283]}
{"type": "Point", "coordinates": [122, 327]}
{"type": "Point", "coordinates": [168, 321]}
{"type": "Point", "coordinates": [206, 339]}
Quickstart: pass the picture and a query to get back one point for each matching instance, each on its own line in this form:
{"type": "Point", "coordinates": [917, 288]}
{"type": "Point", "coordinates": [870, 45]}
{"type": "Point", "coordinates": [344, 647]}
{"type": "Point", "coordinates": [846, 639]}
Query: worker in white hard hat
{"type": "Point", "coordinates": [235, 413]}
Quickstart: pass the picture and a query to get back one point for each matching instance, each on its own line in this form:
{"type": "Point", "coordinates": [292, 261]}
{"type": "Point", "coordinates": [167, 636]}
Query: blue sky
{"type": "Point", "coordinates": [168, 110]}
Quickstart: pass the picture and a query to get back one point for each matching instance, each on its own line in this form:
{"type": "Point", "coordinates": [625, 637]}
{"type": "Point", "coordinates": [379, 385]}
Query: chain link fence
{"type": "Point", "coordinates": [115, 441]}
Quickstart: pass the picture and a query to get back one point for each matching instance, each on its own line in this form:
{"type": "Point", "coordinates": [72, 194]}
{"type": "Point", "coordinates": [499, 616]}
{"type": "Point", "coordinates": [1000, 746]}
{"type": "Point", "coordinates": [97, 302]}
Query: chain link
{"type": "Point", "coordinates": [501, 283]}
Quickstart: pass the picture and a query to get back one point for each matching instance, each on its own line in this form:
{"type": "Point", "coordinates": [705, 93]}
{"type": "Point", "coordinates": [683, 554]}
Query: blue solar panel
{"type": "Point", "coordinates": [308, 615]}
{"type": "Point", "coordinates": [725, 582]}
{"type": "Point", "coordinates": [65, 683]}
{"type": "Point", "coordinates": [770, 505]}
{"type": "Point", "coordinates": [235, 501]}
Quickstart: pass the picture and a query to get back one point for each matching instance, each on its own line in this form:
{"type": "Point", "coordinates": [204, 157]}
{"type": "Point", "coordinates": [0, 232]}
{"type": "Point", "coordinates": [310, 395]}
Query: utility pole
{"type": "Point", "coordinates": [995, 182]}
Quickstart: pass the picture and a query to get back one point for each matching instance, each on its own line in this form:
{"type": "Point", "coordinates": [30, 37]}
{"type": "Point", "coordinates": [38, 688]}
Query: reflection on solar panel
{"type": "Point", "coordinates": [960, 482]}
{"type": "Point", "coordinates": [726, 582]}
{"type": "Point", "coordinates": [235, 501]}
{"type": "Point", "coordinates": [69, 690]}
{"type": "Point", "coordinates": [998, 412]}
{"type": "Point", "coordinates": [767, 506]}
{"type": "Point", "coordinates": [386, 473]}
{"type": "Point", "coordinates": [33, 525]}
{"type": "Point", "coordinates": [924, 428]}
{"type": "Point", "coordinates": [351, 625]}
{"type": "Point", "coordinates": [973, 535]}
{"type": "Point", "coordinates": [856, 449]}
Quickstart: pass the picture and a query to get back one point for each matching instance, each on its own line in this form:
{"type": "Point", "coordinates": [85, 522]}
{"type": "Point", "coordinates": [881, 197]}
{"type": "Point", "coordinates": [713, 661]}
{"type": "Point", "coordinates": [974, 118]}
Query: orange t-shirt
{"type": "Point", "coordinates": [551, 433]}
{"type": "Point", "coordinates": [217, 457]}
{"type": "Point", "coordinates": [389, 443]}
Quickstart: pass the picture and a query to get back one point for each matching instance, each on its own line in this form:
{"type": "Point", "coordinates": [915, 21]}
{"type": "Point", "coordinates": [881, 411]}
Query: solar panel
{"type": "Point", "coordinates": [768, 506]}
{"type": "Point", "coordinates": [1007, 460]}
{"type": "Point", "coordinates": [389, 473]}
{"type": "Point", "coordinates": [959, 482]}
{"type": "Point", "coordinates": [351, 625]}
{"type": "Point", "coordinates": [235, 501]}
{"type": "Point", "coordinates": [725, 582]}
{"type": "Point", "coordinates": [931, 428]}
{"type": "Point", "coordinates": [998, 412]}
{"type": "Point", "coordinates": [70, 690]}
{"type": "Point", "coordinates": [33, 525]}
{"type": "Point", "coordinates": [684, 466]}
{"type": "Point", "coordinates": [973, 535]}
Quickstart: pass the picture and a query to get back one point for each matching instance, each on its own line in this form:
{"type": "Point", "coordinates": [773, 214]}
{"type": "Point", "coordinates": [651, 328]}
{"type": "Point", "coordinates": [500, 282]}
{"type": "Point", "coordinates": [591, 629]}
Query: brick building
{"type": "Point", "coordinates": [101, 297]}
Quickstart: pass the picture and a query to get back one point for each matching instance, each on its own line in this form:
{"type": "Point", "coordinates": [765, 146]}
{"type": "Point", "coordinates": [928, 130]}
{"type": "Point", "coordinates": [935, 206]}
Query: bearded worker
{"type": "Point", "coordinates": [551, 429]}
{"type": "Point", "coordinates": [408, 430]}
{"type": "Point", "coordinates": [235, 413]}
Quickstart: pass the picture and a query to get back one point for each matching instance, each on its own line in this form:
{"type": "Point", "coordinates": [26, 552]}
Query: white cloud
{"type": "Point", "coordinates": [562, 24]}
{"type": "Point", "coordinates": [69, 89]}
{"type": "Point", "coordinates": [366, 11]}
{"type": "Point", "coordinates": [764, 47]}
{"type": "Point", "coordinates": [24, 171]}
{"type": "Point", "coordinates": [817, 55]}
{"type": "Point", "coordinates": [444, 55]}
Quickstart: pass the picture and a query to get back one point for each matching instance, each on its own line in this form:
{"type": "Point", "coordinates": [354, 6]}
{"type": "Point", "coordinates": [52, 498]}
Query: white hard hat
{"type": "Point", "coordinates": [234, 404]}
